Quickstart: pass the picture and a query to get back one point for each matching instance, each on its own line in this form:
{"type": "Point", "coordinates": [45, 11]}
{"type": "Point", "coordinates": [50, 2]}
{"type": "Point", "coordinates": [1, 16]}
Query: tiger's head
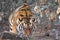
{"type": "Point", "coordinates": [24, 19]}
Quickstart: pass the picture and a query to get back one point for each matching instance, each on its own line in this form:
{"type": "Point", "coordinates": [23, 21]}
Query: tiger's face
{"type": "Point", "coordinates": [26, 18]}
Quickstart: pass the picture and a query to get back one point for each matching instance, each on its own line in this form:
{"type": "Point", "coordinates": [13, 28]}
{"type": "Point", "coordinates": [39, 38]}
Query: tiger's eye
{"type": "Point", "coordinates": [21, 15]}
{"type": "Point", "coordinates": [20, 19]}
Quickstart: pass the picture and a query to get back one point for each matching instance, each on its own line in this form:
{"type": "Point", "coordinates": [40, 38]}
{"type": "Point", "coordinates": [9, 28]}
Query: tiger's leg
{"type": "Point", "coordinates": [13, 29]}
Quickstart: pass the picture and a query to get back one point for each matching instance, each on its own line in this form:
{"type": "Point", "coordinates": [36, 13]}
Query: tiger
{"type": "Point", "coordinates": [23, 17]}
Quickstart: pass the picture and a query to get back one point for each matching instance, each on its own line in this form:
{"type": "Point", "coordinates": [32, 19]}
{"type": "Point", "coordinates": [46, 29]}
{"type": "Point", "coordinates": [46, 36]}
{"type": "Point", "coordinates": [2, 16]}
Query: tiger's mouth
{"type": "Point", "coordinates": [24, 25]}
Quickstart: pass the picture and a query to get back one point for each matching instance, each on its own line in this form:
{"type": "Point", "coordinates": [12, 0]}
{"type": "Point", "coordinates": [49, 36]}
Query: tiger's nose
{"type": "Point", "coordinates": [27, 20]}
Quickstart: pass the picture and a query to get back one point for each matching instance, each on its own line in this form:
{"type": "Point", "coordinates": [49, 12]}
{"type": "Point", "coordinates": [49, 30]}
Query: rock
{"type": "Point", "coordinates": [8, 35]}
{"type": "Point", "coordinates": [0, 18]}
